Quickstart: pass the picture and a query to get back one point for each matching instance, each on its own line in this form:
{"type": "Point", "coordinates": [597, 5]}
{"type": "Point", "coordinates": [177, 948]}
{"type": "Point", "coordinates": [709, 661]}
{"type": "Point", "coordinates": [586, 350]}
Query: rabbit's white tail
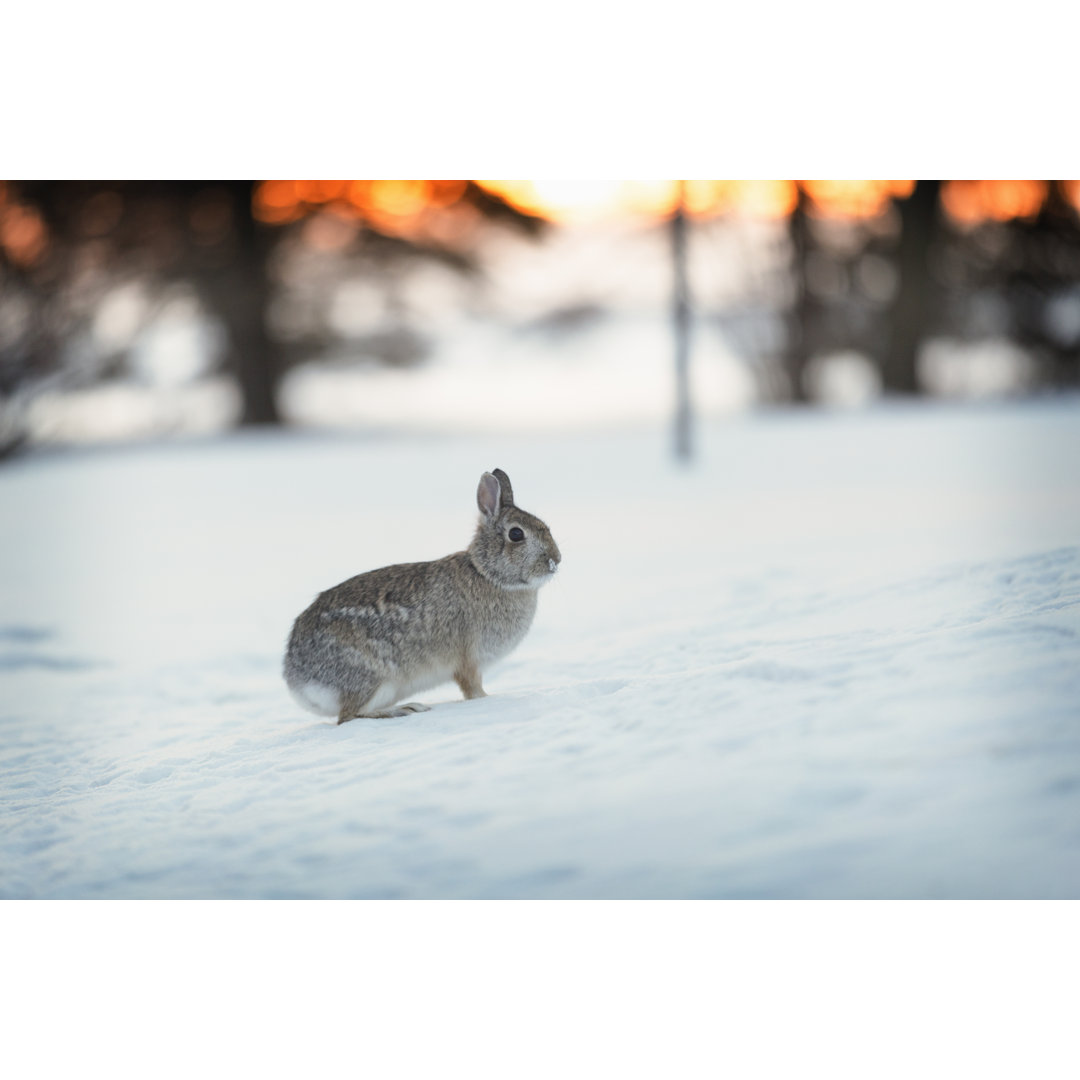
{"type": "Point", "coordinates": [317, 697]}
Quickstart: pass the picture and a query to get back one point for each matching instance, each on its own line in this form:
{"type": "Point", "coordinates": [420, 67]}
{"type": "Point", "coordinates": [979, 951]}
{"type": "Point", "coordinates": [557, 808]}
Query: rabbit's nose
{"type": "Point", "coordinates": [552, 564]}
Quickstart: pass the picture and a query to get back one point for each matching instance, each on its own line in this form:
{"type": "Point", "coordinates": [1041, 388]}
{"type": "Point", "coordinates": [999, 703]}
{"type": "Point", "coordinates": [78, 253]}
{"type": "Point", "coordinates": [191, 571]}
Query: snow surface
{"type": "Point", "coordinates": [838, 657]}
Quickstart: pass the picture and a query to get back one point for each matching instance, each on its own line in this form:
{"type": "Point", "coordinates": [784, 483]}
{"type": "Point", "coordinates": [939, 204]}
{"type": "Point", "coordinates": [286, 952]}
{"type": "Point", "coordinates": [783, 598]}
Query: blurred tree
{"type": "Point", "coordinates": [681, 315]}
{"type": "Point", "coordinates": [1038, 277]}
{"type": "Point", "coordinates": [802, 314]}
{"type": "Point", "coordinates": [64, 245]}
{"type": "Point", "coordinates": [240, 291]}
{"type": "Point", "coordinates": [963, 260]}
{"type": "Point", "coordinates": [910, 315]}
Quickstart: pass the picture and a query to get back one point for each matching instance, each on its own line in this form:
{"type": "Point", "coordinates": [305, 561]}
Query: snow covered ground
{"type": "Point", "coordinates": [838, 657]}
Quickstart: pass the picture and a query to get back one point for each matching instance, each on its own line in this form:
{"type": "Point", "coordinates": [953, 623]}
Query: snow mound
{"type": "Point", "coordinates": [839, 657]}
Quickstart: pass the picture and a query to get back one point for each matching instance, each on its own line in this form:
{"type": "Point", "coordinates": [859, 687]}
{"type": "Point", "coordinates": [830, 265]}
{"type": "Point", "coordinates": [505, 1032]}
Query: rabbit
{"type": "Point", "coordinates": [369, 642]}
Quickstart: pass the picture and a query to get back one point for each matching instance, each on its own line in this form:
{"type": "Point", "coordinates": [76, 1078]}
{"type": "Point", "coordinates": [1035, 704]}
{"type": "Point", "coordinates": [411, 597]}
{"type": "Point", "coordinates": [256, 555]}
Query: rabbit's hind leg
{"type": "Point", "coordinates": [400, 710]}
{"type": "Point", "coordinates": [366, 695]}
{"type": "Point", "coordinates": [356, 708]}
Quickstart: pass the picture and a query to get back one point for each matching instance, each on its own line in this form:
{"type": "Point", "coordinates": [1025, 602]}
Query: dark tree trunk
{"type": "Point", "coordinates": [798, 339]}
{"type": "Point", "coordinates": [681, 316]}
{"type": "Point", "coordinates": [909, 322]}
{"type": "Point", "coordinates": [1045, 265]}
{"type": "Point", "coordinates": [242, 300]}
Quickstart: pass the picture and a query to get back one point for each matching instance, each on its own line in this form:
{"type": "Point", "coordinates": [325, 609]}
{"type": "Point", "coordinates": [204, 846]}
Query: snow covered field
{"type": "Point", "coordinates": [839, 657]}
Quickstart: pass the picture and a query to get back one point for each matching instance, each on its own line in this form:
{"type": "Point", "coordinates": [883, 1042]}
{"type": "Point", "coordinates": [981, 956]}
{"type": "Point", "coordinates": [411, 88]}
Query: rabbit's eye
{"type": "Point", "coordinates": [516, 534]}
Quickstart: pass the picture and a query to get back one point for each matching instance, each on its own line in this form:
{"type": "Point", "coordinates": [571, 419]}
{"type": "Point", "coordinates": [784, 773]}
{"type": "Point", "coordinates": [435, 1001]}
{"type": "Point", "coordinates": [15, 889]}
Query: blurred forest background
{"type": "Point", "coordinates": [145, 309]}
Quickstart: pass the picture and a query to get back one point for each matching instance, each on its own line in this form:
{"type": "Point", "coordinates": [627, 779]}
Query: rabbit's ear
{"type": "Point", "coordinates": [487, 495]}
{"type": "Point", "coordinates": [506, 492]}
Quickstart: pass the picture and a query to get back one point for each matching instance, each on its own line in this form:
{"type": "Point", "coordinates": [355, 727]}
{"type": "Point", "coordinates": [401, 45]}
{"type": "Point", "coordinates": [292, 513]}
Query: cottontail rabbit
{"type": "Point", "coordinates": [368, 642]}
